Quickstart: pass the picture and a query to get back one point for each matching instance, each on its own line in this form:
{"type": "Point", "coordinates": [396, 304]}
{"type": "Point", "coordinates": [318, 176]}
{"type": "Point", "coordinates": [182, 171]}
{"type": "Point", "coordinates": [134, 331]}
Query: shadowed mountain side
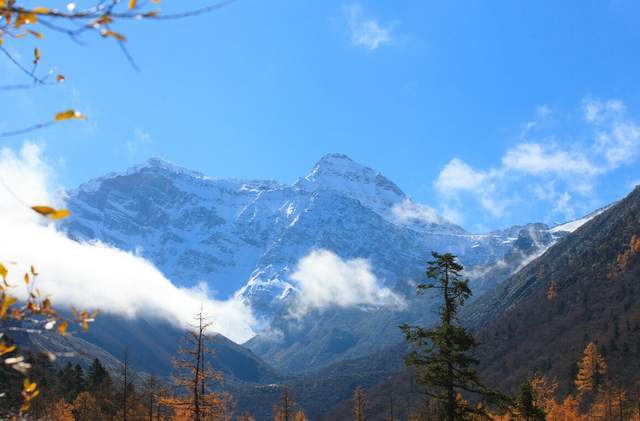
{"type": "Point", "coordinates": [583, 289]}
{"type": "Point", "coordinates": [394, 398]}
{"type": "Point", "coordinates": [318, 391]}
{"type": "Point", "coordinates": [151, 345]}
{"type": "Point", "coordinates": [249, 236]}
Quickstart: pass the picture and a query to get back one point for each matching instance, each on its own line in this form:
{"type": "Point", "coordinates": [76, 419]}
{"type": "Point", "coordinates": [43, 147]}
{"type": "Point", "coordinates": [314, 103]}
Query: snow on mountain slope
{"type": "Point", "coordinates": [571, 226]}
{"type": "Point", "coordinates": [246, 237]}
{"type": "Point", "coordinates": [339, 174]}
{"type": "Point", "coordinates": [191, 227]}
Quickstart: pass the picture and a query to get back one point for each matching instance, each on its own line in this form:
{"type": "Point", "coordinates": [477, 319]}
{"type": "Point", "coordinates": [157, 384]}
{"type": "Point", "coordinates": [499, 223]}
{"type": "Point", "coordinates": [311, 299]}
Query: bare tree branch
{"type": "Point", "coordinates": [27, 130]}
{"type": "Point", "coordinates": [73, 24]}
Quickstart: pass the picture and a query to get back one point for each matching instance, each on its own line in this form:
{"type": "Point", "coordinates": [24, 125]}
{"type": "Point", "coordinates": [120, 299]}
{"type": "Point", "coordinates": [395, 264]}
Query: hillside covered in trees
{"type": "Point", "coordinates": [485, 266]}
{"type": "Point", "coordinates": [564, 326]}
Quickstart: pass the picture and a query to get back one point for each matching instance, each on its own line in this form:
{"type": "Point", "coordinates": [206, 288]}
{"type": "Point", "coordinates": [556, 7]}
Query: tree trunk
{"type": "Point", "coordinates": [196, 399]}
{"type": "Point", "coordinates": [124, 389]}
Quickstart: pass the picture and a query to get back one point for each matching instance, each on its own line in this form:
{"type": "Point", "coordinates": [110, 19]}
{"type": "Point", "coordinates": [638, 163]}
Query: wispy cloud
{"type": "Point", "coordinates": [458, 177]}
{"type": "Point", "coordinates": [93, 275]}
{"type": "Point", "coordinates": [366, 32]}
{"type": "Point", "coordinates": [325, 280]}
{"type": "Point", "coordinates": [408, 211]}
{"type": "Point", "coordinates": [558, 169]}
{"type": "Point", "coordinates": [141, 138]}
{"type": "Point", "coordinates": [538, 159]}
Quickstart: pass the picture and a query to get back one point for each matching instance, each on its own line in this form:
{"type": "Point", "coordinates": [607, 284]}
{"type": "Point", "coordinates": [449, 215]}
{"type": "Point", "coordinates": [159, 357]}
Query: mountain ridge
{"type": "Point", "coordinates": [245, 238]}
{"type": "Point", "coordinates": [583, 289]}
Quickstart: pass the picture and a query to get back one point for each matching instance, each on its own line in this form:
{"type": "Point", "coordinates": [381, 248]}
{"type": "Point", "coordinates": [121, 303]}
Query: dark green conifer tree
{"type": "Point", "coordinates": [525, 407]}
{"type": "Point", "coordinates": [71, 380]}
{"type": "Point", "coordinates": [96, 375]}
{"type": "Point", "coordinates": [78, 379]}
{"type": "Point", "coordinates": [442, 354]}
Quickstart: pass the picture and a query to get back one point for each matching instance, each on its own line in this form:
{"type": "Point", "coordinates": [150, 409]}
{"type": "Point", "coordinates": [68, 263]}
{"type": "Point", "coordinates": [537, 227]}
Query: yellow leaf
{"type": "Point", "coordinates": [110, 33]}
{"type": "Point", "coordinates": [4, 349]}
{"type": "Point", "coordinates": [43, 210]}
{"type": "Point", "coordinates": [132, 4]}
{"type": "Point", "coordinates": [46, 306]}
{"type": "Point", "coordinates": [102, 20]}
{"type": "Point", "coordinates": [60, 79]}
{"type": "Point", "coordinates": [7, 302]}
{"type": "Point", "coordinates": [28, 386]}
{"type": "Point", "coordinates": [68, 115]}
{"type": "Point", "coordinates": [40, 10]}
{"type": "Point", "coordinates": [62, 327]}
{"type": "Point", "coordinates": [34, 272]}
{"type": "Point", "coordinates": [26, 278]}
{"type": "Point", "coordinates": [36, 56]}
{"type": "Point", "coordinates": [60, 214]}
{"type": "Point", "coordinates": [51, 212]}
{"type": "Point", "coordinates": [35, 34]}
{"type": "Point", "coordinates": [3, 271]}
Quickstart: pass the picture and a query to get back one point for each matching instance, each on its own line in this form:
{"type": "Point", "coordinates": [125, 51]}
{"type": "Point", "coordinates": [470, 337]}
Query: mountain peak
{"type": "Point", "coordinates": [154, 164]}
{"type": "Point", "coordinates": [163, 164]}
{"type": "Point", "coordinates": [336, 163]}
{"type": "Point", "coordinates": [338, 172]}
{"type": "Point", "coordinates": [157, 161]}
{"type": "Point", "coordinates": [336, 157]}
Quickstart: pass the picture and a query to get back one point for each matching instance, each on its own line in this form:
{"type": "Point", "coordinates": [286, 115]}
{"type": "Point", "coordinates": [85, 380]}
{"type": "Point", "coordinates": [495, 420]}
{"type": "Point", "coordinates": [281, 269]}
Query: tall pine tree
{"type": "Point", "coordinates": [96, 375]}
{"type": "Point", "coordinates": [442, 354]}
{"type": "Point", "coordinates": [591, 370]}
{"type": "Point", "coordinates": [525, 407]}
{"type": "Point", "coordinates": [358, 404]}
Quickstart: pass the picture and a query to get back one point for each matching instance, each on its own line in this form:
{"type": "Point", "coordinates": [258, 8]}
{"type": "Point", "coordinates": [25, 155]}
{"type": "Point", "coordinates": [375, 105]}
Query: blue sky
{"type": "Point", "coordinates": [494, 113]}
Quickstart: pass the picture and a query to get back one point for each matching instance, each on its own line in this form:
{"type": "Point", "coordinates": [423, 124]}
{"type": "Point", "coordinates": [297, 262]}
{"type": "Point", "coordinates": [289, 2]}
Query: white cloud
{"type": "Point", "coordinates": [563, 206]}
{"type": "Point", "coordinates": [366, 32]}
{"type": "Point", "coordinates": [452, 214]}
{"type": "Point", "coordinates": [94, 275]}
{"type": "Point", "coordinates": [537, 159]}
{"type": "Point", "coordinates": [409, 211]}
{"type": "Point", "coordinates": [543, 111]}
{"type": "Point", "coordinates": [141, 138]}
{"type": "Point", "coordinates": [558, 169]}
{"type": "Point", "coordinates": [619, 144]}
{"type": "Point", "coordinates": [325, 280]}
{"type": "Point", "coordinates": [617, 137]}
{"type": "Point", "coordinates": [457, 175]}
{"type": "Point", "coordinates": [592, 110]}
{"type": "Point", "coordinates": [596, 111]}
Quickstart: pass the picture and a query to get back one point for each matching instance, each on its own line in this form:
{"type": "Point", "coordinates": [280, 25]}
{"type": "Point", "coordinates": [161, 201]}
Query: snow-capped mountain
{"type": "Point", "coordinates": [246, 234]}
{"type": "Point", "coordinates": [246, 237]}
